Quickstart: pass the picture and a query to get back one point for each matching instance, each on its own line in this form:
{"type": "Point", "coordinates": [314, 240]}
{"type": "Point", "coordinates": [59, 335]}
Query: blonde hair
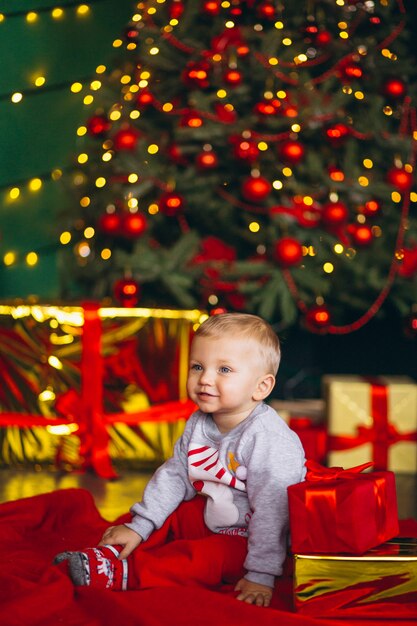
{"type": "Point", "coordinates": [246, 325]}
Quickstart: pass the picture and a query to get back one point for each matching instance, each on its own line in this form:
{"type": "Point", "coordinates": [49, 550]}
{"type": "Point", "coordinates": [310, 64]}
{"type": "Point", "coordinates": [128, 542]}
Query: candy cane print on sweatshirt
{"type": "Point", "coordinates": [210, 478]}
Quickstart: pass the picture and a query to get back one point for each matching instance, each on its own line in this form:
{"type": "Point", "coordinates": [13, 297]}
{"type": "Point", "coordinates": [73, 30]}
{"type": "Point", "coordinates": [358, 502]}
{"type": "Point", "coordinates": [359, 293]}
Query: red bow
{"type": "Point", "coordinates": [317, 472]}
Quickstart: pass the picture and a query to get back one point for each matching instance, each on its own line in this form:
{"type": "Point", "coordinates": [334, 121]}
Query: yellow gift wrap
{"type": "Point", "coordinates": [372, 419]}
{"type": "Point", "coordinates": [380, 583]}
{"type": "Point", "coordinates": [86, 385]}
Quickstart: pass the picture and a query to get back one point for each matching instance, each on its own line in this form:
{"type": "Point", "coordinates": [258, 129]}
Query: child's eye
{"type": "Point", "coordinates": [196, 367]}
{"type": "Point", "coordinates": [224, 369]}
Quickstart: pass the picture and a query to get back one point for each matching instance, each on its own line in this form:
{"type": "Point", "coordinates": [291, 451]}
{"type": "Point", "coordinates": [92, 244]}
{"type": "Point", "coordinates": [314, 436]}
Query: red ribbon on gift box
{"type": "Point", "coordinates": [381, 434]}
{"type": "Point", "coordinates": [317, 472]}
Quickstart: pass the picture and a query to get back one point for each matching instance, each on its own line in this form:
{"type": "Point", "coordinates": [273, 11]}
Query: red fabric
{"type": "Point", "coordinates": [336, 510]}
{"type": "Point", "coordinates": [185, 552]}
{"type": "Point", "coordinates": [33, 592]}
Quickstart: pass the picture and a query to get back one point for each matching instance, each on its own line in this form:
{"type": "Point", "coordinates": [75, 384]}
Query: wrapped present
{"type": "Point", "coordinates": [379, 584]}
{"type": "Point", "coordinates": [372, 419]}
{"type": "Point", "coordinates": [86, 386]}
{"type": "Point", "coordinates": [336, 510]}
{"type": "Point", "coordinates": [313, 408]}
{"type": "Point", "coordinates": [313, 436]}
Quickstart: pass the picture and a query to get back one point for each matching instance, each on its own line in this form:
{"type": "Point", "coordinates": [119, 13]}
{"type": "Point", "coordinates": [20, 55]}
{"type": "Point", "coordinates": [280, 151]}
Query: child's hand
{"type": "Point", "coordinates": [121, 536]}
{"type": "Point", "coordinates": [253, 593]}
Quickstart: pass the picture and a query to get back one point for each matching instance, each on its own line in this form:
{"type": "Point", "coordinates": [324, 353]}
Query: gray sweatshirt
{"type": "Point", "coordinates": [244, 474]}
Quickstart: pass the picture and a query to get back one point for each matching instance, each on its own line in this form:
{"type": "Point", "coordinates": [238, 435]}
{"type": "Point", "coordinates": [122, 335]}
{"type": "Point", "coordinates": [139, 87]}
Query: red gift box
{"type": "Point", "coordinates": [342, 511]}
{"type": "Point", "coordinates": [313, 436]}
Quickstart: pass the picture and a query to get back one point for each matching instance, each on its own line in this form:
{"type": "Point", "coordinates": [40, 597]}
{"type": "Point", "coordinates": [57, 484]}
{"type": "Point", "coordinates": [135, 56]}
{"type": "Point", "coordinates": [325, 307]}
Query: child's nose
{"type": "Point", "coordinates": [206, 377]}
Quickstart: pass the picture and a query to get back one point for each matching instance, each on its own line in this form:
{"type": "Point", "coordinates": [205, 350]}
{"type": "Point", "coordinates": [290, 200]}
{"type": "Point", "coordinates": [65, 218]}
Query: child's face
{"type": "Point", "coordinates": [225, 375]}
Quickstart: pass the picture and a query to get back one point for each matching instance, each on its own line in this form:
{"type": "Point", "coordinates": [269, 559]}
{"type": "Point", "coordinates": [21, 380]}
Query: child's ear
{"type": "Point", "coordinates": [264, 387]}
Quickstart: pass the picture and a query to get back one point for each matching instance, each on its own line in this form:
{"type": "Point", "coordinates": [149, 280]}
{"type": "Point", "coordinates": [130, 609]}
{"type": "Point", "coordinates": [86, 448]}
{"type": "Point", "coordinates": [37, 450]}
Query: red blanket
{"type": "Point", "coordinates": [33, 592]}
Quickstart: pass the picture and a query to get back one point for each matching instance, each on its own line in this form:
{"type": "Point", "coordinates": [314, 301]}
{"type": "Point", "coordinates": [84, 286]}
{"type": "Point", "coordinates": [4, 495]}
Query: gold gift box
{"type": "Point", "coordinates": [348, 401]}
{"type": "Point", "coordinates": [382, 583]}
{"type": "Point", "coordinates": [142, 363]}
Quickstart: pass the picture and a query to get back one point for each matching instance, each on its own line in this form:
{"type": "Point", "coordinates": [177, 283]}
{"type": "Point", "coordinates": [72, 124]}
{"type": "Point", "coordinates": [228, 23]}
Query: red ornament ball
{"type": "Point", "coordinates": [337, 134]}
{"type": "Point", "coordinates": [334, 214]}
{"type": "Point", "coordinates": [320, 38]}
{"type": "Point", "coordinates": [256, 189]}
{"type": "Point", "coordinates": [311, 29]}
{"type": "Point", "coordinates": [225, 113]}
{"type": "Point", "coordinates": [219, 310]}
{"type": "Point", "coordinates": [110, 223]}
{"type": "Point", "coordinates": [291, 151]}
{"type": "Point", "coordinates": [191, 119]}
{"type": "Point", "coordinates": [399, 177]}
{"type": "Point", "coordinates": [371, 208]}
{"type": "Point", "coordinates": [131, 34]}
{"type": "Point", "coordinates": [350, 70]}
{"type": "Point", "coordinates": [266, 10]}
{"type": "Point", "coordinates": [211, 7]}
{"type": "Point", "coordinates": [267, 107]}
{"type": "Point", "coordinates": [133, 224]}
{"type": "Point", "coordinates": [207, 160]}
{"type": "Point", "coordinates": [323, 38]}
{"type": "Point", "coordinates": [176, 155]}
{"type": "Point", "coordinates": [408, 257]}
{"type": "Point", "coordinates": [336, 174]}
{"type": "Point", "coordinates": [246, 150]}
{"type": "Point", "coordinates": [98, 125]}
{"type": "Point", "coordinates": [171, 203]}
{"type": "Point", "coordinates": [288, 252]}
{"type": "Point", "coordinates": [126, 139]}
{"type": "Point", "coordinates": [176, 9]}
{"type": "Point", "coordinates": [394, 88]}
{"type": "Point", "coordinates": [290, 110]}
{"type": "Point", "coordinates": [127, 292]}
{"type": "Point", "coordinates": [196, 74]}
{"type": "Point", "coordinates": [361, 234]}
{"type": "Point", "coordinates": [318, 318]}
{"type": "Point", "coordinates": [232, 78]}
{"type": "Point", "coordinates": [144, 99]}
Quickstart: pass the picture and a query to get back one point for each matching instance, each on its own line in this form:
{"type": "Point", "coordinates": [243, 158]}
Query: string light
{"type": "Point", "coordinates": [53, 11]}
{"type": "Point", "coordinates": [9, 258]}
{"type": "Point", "coordinates": [35, 184]}
{"type": "Point", "coordinates": [105, 254]}
{"type": "Point", "coordinates": [65, 238]}
{"type": "Point", "coordinates": [31, 259]}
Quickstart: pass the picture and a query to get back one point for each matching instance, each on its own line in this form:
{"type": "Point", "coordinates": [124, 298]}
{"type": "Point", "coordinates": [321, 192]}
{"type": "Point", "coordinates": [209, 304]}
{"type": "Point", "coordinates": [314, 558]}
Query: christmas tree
{"type": "Point", "coordinates": [255, 156]}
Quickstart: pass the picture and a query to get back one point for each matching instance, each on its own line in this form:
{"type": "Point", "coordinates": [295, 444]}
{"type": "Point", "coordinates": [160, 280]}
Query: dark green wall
{"type": "Point", "coordinates": [39, 134]}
